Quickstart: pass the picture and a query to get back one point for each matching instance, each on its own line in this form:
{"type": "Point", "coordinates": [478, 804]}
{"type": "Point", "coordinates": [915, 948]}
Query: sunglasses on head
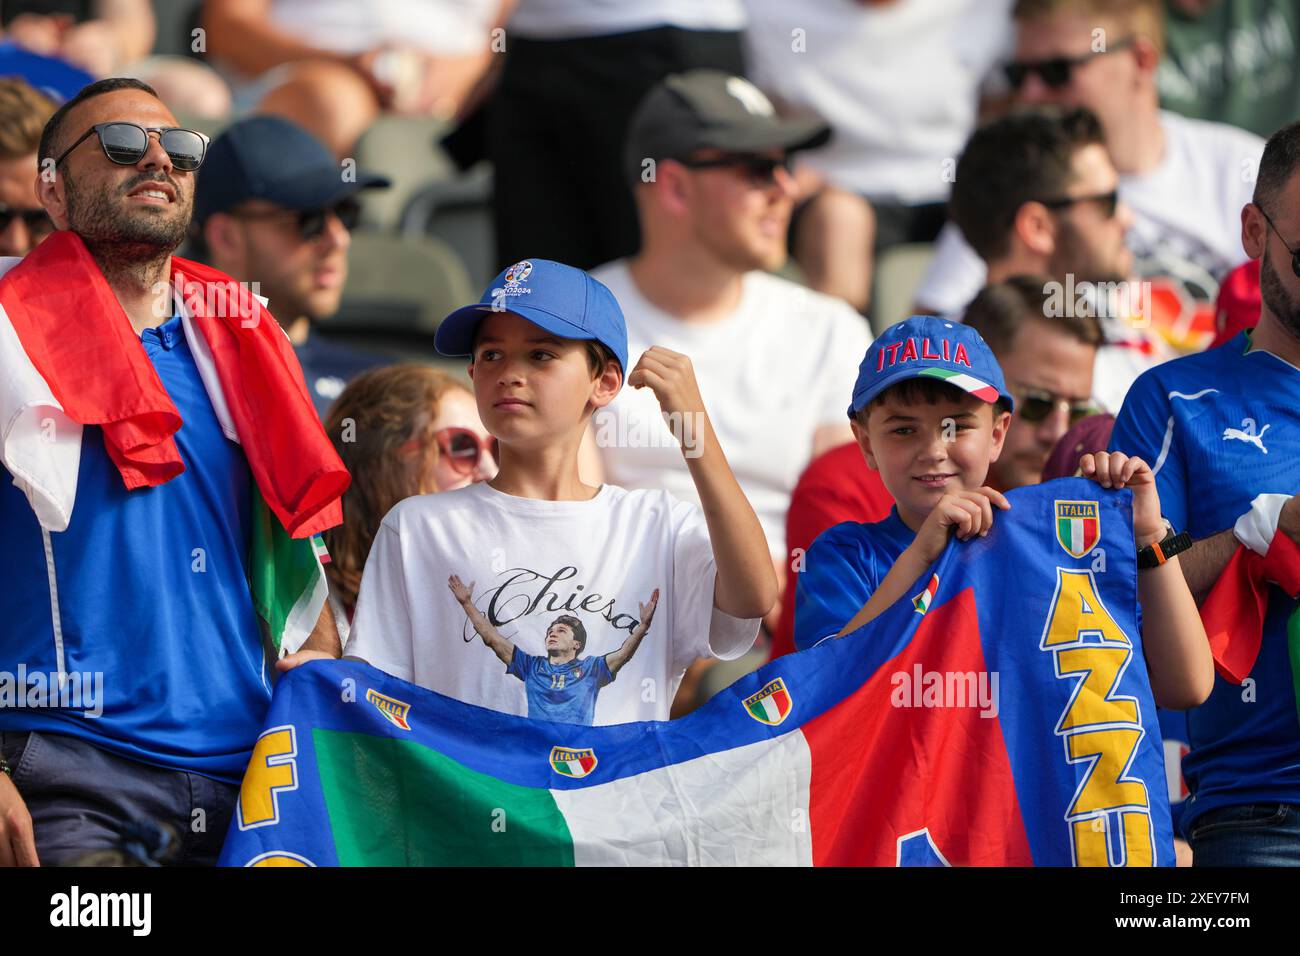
{"type": "Point", "coordinates": [1295, 253]}
{"type": "Point", "coordinates": [463, 449]}
{"type": "Point", "coordinates": [311, 222]}
{"type": "Point", "coordinates": [1109, 202]}
{"type": "Point", "coordinates": [760, 170]}
{"type": "Point", "coordinates": [1056, 71]}
{"type": "Point", "coordinates": [1037, 403]}
{"type": "Point", "coordinates": [38, 222]}
{"type": "Point", "coordinates": [126, 144]}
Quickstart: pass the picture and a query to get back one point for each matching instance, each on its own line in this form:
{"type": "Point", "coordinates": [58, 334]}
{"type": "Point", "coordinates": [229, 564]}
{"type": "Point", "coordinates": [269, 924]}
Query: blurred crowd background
{"type": "Point", "coordinates": [374, 164]}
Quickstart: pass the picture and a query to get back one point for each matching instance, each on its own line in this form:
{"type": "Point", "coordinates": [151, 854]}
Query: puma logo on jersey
{"type": "Point", "coordinates": [1248, 434]}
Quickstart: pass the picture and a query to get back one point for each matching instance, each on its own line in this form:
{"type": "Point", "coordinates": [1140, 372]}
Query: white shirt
{"type": "Point", "coordinates": [898, 83]}
{"type": "Point", "coordinates": [530, 561]}
{"type": "Point", "coordinates": [781, 365]}
{"type": "Point", "coordinates": [1187, 216]}
{"type": "Point", "coordinates": [436, 26]}
{"type": "Point", "coordinates": [565, 19]}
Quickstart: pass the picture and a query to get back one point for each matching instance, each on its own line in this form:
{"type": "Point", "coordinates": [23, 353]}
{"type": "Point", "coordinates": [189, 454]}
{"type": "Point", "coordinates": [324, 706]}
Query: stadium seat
{"type": "Point", "coordinates": [899, 270]}
{"type": "Point", "coordinates": [402, 284]}
{"type": "Point", "coordinates": [457, 211]}
{"type": "Point", "coordinates": [404, 149]}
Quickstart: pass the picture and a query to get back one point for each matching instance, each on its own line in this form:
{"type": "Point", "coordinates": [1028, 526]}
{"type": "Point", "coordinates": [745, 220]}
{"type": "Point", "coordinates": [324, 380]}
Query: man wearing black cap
{"type": "Point", "coordinates": [274, 207]}
{"type": "Point", "coordinates": [709, 160]}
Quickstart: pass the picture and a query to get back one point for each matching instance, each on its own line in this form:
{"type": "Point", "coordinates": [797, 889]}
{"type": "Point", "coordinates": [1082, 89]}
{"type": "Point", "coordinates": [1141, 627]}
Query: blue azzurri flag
{"type": "Point", "coordinates": [1000, 715]}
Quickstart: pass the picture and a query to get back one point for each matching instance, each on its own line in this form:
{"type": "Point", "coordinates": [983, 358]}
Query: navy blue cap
{"type": "Point", "coordinates": [276, 160]}
{"type": "Point", "coordinates": [564, 301]}
{"type": "Point", "coordinates": [926, 346]}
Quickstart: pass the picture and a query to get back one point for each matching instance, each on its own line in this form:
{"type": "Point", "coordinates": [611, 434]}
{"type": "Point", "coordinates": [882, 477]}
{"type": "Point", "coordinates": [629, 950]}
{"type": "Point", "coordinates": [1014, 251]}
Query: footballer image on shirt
{"type": "Point", "coordinates": [561, 686]}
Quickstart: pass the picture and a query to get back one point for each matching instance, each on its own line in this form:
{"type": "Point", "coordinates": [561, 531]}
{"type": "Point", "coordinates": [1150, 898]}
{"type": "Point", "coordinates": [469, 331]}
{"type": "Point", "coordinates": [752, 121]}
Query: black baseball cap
{"type": "Point", "coordinates": [274, 159]}
{"type": "Point", "coordinates": [712, 109]}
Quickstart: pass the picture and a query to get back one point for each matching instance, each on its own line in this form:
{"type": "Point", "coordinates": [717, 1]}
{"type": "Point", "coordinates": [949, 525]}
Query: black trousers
{"type": "Point", "coordinates": [555, 134]}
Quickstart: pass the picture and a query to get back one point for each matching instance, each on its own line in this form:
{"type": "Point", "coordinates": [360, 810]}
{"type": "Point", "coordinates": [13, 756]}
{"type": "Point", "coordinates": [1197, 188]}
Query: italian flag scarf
{"type": "Point", "coordinates": [1234, 610]}
{"type": "Point", "coordinates": [69, 357]}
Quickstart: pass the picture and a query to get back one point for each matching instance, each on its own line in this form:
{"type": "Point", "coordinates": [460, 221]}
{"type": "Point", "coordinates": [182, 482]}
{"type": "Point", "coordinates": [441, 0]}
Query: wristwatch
{"type": "Point", "coordinates": [1154, 555]}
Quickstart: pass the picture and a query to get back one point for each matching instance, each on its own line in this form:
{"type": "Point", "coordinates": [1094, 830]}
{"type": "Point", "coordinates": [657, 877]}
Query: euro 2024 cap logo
{"type": "Point", "coordinates": [1078, 526]}
{"type": "Point", "coordinates": [515, 278]}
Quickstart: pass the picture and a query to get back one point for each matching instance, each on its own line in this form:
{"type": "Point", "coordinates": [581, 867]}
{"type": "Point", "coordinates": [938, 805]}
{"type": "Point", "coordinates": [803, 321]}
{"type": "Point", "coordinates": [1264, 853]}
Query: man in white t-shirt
{"type": "Point", "coordinates": [1185, 180]}
{"type": "Point", "coordinates": [708, 156]}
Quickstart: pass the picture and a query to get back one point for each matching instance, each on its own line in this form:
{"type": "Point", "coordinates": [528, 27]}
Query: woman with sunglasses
{"type": "Point", "coordinates": [402, 430]}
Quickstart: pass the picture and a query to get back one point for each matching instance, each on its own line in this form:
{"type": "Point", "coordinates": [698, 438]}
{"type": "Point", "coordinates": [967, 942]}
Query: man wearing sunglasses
{"type": "Point", "coordinates": [23, 114]}
{"type": "Point", "coordinates": [709, 160]}
{"type": "Point", "coordinates": [274, 207]}
{"type": "Point", "coordinates": [1183, 179]}
{"type": "Point", "coordinates": [1222, 428]}
{"type": "Point", "coordinates": [128, 524]}
{"type": "Point", "coordinates": [1036, 194]}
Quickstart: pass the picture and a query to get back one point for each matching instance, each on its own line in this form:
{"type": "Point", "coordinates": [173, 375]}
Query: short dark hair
{"type": "Point", "coordinates": [53, 128]}
{"type": "Point", "coordinates": [1002, 308]}
{"type": "Point", "coordinates": [598, 356]}
{"type": "Point", "coordinates": [1024, 156]}
{"type": "Point", "coordinates": [914, 391]}
{"type": "Point", "coordinates": [579, 632]}
{"type": "Point", "coordinates": [1280, 160]}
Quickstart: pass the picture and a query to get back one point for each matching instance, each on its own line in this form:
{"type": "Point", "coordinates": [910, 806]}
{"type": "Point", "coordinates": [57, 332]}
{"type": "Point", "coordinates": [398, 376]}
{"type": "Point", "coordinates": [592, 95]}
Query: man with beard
{"type": "Point", "coordinates": [1036, 194]}
{"type": "Point", "coordinates": [273, 207]}
{"type": "Point", "coordinates": [1222, 429]}
{"type": "Point", "coordinates": [133, 676]}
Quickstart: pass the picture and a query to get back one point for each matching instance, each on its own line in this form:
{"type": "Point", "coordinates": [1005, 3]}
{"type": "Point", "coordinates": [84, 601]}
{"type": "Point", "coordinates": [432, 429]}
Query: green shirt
{"type": "Point", "coordinates": [1236, 63]}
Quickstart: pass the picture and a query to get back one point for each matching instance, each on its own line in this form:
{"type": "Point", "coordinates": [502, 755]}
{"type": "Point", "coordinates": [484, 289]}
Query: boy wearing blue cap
{"type": "Point", "coordinates": [930, 411]}
{"type": "Point", "coordinates": [462, 582]}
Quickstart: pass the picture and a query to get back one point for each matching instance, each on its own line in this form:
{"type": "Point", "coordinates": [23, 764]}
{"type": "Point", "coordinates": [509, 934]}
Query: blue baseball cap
{"type": "Point", "coordinates": [276, 160]}
{"type": "Point", "coordinates": [926, 346]}
{"type": "Point", "coordinates": [564, 301]}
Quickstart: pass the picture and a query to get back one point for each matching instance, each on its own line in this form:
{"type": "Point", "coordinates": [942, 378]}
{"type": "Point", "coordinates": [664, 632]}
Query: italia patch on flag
{"type": "Point", "coordinates": [771, 705]}
{"type": "Point", "coordinates": [395, 711]}
{"type": "Point", "coordinates": [1078, 526]}
{"type": "Point", "coordinates": [922, 601]}
{"type": "Point", "coordinates": [572, 763]}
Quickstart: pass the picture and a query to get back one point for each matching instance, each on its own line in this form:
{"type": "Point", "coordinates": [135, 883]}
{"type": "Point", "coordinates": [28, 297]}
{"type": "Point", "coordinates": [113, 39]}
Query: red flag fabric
{"type": "Point", "coordinates": [1234, 611]}
{"type": "Point", "coordinates": [81, 342]}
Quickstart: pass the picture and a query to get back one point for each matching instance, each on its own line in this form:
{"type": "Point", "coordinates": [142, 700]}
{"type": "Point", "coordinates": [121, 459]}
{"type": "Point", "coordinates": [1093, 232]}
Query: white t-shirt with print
{"type": "Point", "coordinates": [530, 561]}
{"type": "Point", "coordinates": [1187, 216]}
{"type": "Point", "coordinates": [781, 365]}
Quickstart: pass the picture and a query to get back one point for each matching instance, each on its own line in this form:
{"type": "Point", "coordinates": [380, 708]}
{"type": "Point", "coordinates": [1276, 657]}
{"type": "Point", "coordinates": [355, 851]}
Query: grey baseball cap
{"type": "Point", "coordinates": [711, 109]}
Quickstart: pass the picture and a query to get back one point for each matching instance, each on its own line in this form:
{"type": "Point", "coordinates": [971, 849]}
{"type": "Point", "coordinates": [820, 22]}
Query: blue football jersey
{"type": "Point", "coordinates": [1219, 428]}
{"type": "Point", "coordinates": [565, 693]}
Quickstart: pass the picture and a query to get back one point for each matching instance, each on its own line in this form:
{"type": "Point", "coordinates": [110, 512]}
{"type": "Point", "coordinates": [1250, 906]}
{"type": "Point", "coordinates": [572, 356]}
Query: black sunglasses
{"type": "Point", "coordinates": [311, 222]}
{"type": "Point", "coordinates": [760, 170]}
{"type": "Point", "coordinates": [126, 144]}
{"type": "Point", "coordinates": [1109, 201]}
{"type": "Point", "coordinates": [1055, 72]}
{"type": "Point", "coordinates": [37, 220]}
{"type": "Point", "coordinates": [1035, 404]}
{"type": "Point", "coordinates": [1295, 254]}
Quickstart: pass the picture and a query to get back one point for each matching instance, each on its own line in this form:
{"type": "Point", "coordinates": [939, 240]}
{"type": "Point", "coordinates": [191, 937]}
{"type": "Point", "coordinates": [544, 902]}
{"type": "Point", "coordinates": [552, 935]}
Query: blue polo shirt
{"type": "Point", "coordinates": [1219, 428]}
{"type": "Point", "coordinates": [842, 569]}
{"type": "Point", "coordinates": [152, 598]}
